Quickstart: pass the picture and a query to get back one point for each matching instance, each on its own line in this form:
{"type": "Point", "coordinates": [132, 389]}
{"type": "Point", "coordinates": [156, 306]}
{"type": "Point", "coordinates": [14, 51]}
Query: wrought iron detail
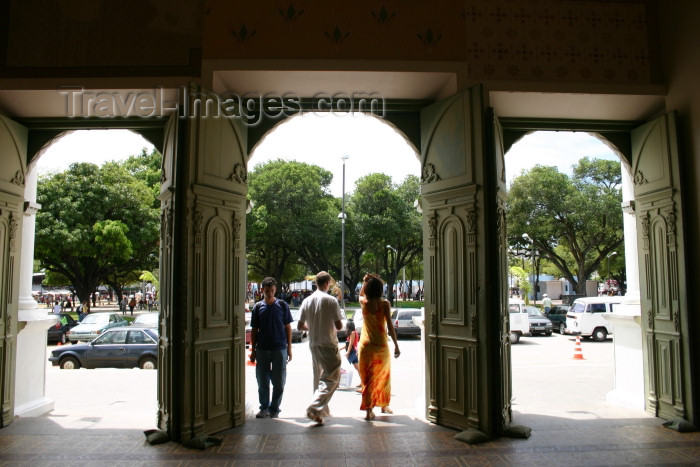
{"type": "Point", "coordinates": [434, 322]}
{"type": "Point", "coordinates": [676, 320]}
{"type": "Point", "coordinates": [13, 230]}
{"type": "Point", "coordinates": [429, 174]}
{"type": "Point", "coordinates": [639, 178]}
{"type": "Point", "coordinates": [645, 225]}
{"type": "Point", "coordinates": [18, 179]}
{"type": "Point", "coordinates": [432, 224]}
{"type": "Point", "coordinates": [239, 174]}
{"type": "Point", "coordinates": [650, 318]}
{"type": "Point", "coordinates": [236, 224]}
{"type": "Point", "coordinates": [671, 222]}
{"type": "Point", "coordinates": [198, 221]}
{"type": "Point", "coordinates": [471, 222]}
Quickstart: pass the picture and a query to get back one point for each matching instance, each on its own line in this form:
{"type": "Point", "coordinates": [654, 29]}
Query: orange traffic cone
{"type": "Point", "coordinates": [578, 354]}
{"type": "Point", "coordinates": [59, 343]}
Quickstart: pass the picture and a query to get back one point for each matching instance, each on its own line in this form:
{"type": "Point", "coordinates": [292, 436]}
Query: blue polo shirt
{"type": "Point", "coordinates": [270, 321]}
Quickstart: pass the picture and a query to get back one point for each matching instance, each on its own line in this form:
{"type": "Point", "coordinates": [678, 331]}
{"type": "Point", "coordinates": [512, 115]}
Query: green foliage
{"type": "Point", "coordinates": [574, 222]}
{"type": "Point", "coordinates": [524, 283]}
{"type": "Point", "coordinates": [294, 220]}
{"type": "Point", "coordinates": [383, 214]}
{"type": "Point", "coordinates": [95, 222]}
{"type": "Point", "coordinates": [147, 167]}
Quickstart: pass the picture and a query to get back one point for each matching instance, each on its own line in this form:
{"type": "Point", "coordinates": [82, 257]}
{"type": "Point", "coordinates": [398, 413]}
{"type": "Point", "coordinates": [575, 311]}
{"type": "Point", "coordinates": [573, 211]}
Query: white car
{"type": "Point", "coordinates": [587, 317]}
{"type": "Point", "coordinates": [95, 324]}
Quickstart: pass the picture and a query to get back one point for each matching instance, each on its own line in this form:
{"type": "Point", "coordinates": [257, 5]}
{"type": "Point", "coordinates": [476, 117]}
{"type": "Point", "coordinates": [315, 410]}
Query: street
{"type": "Point", "coordinates": [546, 380]}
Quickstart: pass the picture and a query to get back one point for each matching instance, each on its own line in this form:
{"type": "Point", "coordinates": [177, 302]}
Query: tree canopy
{"type": "Point", "coordinates": [580, 213]}
{"type": "Point", "coordinates": [293, 221]}
{"type": "Point", "coordinates": [95, 223]}
{"type": "Point", "coordinates": [294, 228]}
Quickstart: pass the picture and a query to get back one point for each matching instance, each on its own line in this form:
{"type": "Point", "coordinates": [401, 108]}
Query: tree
{"type": "Point", "coordinates": [293, 221]}
{"type": "Point", "coordinates": [384, 215]}
{"type": "Point", "coordinates": [581, 213]}
{"type": "Point", "coordinates": [95, 222]}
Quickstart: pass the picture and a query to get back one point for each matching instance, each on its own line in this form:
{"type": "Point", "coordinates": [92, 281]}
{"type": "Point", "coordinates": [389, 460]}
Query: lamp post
{"type": "Point", "coordinates": [342, 253]}
{"type": "Point", "coordinates": [534, 271]}
{"type": "Point", "coordinates": [609, 255]}
{"type": "Point", "coordinates": [396, 272]}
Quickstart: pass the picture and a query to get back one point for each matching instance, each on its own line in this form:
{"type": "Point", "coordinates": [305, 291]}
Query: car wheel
{"type": "Point", "coordinates": [600, 334]}
{"type": "Point", "coordinates": [70, 363]}
{"type": "Point", "coordinates": [63, 338]}
{"type": "Point", "coordinates": [562, 328]}
{"type": "Point", "coordinates": [147, 363]}
{"type": "Point", "coordinates": [548, 333]}
{"type": "Point", "coordinates": [514, 337]}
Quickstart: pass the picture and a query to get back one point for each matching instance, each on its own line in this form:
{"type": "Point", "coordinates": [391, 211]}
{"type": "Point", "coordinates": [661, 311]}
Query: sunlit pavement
{"type": "Point", "coordinates": [547, 381]}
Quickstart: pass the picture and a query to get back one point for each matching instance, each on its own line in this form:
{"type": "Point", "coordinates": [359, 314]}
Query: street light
{"type": "Point", "coordinates": [534, 271]}
{"type": "Point", "coordinates": [396, 263]}
{"type": "Point", "coordinates": [609, 255]}
{"type": "Point", "coordinates": [342, 253]}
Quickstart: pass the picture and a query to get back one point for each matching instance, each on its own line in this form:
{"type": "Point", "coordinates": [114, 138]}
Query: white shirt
{"type": "Point", "coordinates": [320, 311]}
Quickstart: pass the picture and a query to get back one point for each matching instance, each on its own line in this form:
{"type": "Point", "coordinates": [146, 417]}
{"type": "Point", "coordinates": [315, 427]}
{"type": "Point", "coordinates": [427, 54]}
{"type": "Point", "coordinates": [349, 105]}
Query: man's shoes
{"type": "Point", "coordinates": [315, 418]}
{"type": "Point", "coordinates": [274, 415]}
{"type": "Point", "coordinates": [263, 414]}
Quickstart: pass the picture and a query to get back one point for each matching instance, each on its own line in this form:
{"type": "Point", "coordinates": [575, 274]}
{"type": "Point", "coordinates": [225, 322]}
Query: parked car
{"type": "Point", "coordinates": [297, 335]}
{"type": "Point", "coordinates": [57, 332]}
{"type": "Point", "coordinates": [118, 347]}
{"type": "Point", "coordinates": [403, 322]}
{"type": "Point", "coordinates": [557, 315]}
{"type": "Point", "coordinates": [539, 323]}
{"type": "Point", "coordinates": [95, 324]}
{"type": "Point", "coordinates": [146, 320]}
{"type": "Point", "coordinates": [587, 317]}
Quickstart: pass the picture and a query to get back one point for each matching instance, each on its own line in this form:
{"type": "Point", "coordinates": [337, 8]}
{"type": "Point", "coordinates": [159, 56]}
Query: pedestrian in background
{"type": "Point", "coordinates": [271, 346]}
{"type": "Point", "coordinates": [321, 317]}
{"type": "Point", "coordinates": [546, 303]}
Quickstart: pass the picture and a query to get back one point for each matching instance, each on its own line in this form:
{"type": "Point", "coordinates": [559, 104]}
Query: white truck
{"type": "Point", "coordinates": [519, 322]}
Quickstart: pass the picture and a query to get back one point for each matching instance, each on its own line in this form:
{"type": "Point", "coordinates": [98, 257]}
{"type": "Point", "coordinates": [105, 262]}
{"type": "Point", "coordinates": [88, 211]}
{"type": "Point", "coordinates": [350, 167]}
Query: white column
{"type": "Point", "coordinates": [630, 231]}
{"type": "Point", "coordinates": [626, 317]}
{"type": "Point", "coordinates": [30, 373]}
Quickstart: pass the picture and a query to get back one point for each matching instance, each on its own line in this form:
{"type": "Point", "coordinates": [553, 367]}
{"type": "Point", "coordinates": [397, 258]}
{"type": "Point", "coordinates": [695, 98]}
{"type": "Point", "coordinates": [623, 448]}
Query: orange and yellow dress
{"type": "Point", "coordinates": [375, 358]}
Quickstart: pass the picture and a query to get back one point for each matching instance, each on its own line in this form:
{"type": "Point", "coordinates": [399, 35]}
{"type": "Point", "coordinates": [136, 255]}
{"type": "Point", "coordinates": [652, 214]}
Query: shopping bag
{"type": "Point", "coordinates": [346, 373]}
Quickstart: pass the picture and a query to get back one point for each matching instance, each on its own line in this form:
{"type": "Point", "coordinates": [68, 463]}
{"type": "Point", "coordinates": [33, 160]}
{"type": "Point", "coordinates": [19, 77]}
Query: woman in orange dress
{"type": "Point", "coordinates": [375, 360]}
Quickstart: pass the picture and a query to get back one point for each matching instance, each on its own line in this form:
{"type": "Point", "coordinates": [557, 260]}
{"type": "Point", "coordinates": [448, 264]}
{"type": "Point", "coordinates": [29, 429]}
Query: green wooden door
{"type": "Point", "coordinates": [659, 213]}
{"type": "Point", "coordinates": [204, 204]}
{"type": "Point", "coordinates": [467, 350]}
{"type": "Point", "coordinates": [13, 156]}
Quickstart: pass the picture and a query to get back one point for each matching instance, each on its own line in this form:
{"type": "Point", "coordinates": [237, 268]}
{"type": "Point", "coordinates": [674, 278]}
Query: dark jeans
{"type": "Point", "coordinates": [271, 366]}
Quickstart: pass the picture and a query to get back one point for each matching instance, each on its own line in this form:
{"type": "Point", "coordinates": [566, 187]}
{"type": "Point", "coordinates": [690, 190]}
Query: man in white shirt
{"type": "Point", "coordinates": [321, 316]}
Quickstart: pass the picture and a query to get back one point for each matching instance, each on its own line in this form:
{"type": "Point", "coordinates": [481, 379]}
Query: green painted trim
{"type": "Point", "coordinates": [43, 130]}
{"type": "Point", "coordinates": [615, 131]}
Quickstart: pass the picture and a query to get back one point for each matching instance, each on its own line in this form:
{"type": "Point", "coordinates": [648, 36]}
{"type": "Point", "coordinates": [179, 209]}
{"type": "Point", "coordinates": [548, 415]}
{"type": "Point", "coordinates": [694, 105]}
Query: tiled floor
{"type": "Point", "coordinates": [349, 441]}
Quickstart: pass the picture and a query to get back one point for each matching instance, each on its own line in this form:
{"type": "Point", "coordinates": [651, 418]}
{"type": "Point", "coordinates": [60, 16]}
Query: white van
{"type": "Point", "coordinates": [587, 316]}
{"type": "Point", "coordinates": [519, 321]}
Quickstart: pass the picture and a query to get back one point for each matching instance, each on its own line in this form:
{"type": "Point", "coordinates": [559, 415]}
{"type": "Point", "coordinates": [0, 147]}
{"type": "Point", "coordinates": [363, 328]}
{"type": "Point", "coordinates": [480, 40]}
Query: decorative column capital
{"type": "Point", "coordinates": [31, 208]}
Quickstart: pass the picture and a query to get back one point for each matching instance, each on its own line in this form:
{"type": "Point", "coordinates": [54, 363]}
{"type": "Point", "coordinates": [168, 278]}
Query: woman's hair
{"type": "Point", "coordinates": [350, 325]}
{"type": "Point", "coordinates": [373, 286]}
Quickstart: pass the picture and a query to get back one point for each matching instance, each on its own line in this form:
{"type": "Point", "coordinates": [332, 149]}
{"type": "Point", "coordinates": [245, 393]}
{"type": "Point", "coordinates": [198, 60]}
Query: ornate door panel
{"type": "Point", "coordinates": [208, 277]}
{"type": "Point", "coordinates": [662, 268]}
{"type": "Point", "coordinates": [13, 156]}
{"type": "Point", "coordinates": [462, 305]}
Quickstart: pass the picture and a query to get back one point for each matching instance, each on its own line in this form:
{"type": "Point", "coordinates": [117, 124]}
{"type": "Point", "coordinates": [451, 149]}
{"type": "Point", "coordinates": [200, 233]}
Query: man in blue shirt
{"type": "Point", "coordinates": [271, 346]}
